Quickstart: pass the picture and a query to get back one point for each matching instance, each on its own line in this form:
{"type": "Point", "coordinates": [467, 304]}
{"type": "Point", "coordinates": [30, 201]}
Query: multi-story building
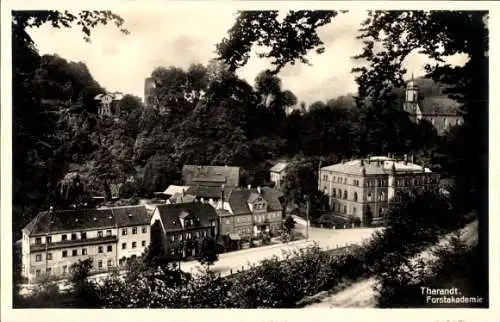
{"type": "Point", "coordinates": [184, 225]}
{"type": "Point", "coordinates": [56, 239]}
{"type": "Point", "coordinates": [363, 187]}
{"type": "Point", "coordinates": [133, 231]}
{"type": "Point", "coordinates": [278, 174]}
{"type": "Point", "coordinates": [248, 212]}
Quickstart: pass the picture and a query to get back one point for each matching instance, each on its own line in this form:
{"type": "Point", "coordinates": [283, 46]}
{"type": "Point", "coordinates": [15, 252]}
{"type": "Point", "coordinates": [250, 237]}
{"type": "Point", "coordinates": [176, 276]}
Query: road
{"type": "Point", "coordinates": [325, 238]}
{"type": "Point", "coordinates": [362, 294]}
{"type": "Point", "coordinates": [238, 260]}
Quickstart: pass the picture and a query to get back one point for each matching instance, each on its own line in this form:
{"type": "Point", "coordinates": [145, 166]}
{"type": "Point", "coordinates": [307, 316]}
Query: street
{"type": "Point", "coordinates": [326, 239]}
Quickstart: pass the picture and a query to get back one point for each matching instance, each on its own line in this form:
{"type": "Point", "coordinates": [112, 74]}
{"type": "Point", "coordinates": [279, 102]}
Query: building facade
{"type": "Point", "coordinates": [246, 213]}
{"type": "Point", "coordinates": [363, 188]}
{"type": "Point", "coordinates": [278, 174]}
{"type": "Point", "coordinates": [55, 240]}
{"type": "Point", "coordinates": [441, 111]}
{"type": "Point", "coordinates": [184, 225]}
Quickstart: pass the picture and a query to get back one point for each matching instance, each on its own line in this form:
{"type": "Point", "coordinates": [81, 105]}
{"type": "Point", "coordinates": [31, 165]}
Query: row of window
{"type": "Point", "coordinates": [99, 265]}
{"type": "Point", "coordinates": [83, 235]}
{"type": "Point", "coordinates": [189, 236]}
{"type": "Point", "coordinates": [356, 182]}
{"type": "Point", "coordinates": [339, 208]}
{"type": "Point", "coordinates": [344, 195]}
{"type": "Point", "coordinates": [134, 244]}
{"type": "Point", "coordinates": [134, 230]}
{"type": "Point", "coordinates": [401, 182]}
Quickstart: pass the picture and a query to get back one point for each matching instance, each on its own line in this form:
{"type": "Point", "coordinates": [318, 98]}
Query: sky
{"type": "Point", "coordinates": [180, 37]}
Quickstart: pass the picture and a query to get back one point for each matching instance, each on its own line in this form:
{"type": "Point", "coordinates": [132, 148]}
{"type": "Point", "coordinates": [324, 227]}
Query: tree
{"type": "Point", "coordinates": [208, 251]}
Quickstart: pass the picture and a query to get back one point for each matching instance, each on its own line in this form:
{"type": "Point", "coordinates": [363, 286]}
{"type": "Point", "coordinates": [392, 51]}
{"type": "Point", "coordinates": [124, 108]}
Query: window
{"type": "Point", "coordinates": [64, 253]}
{"type": "Point", "coordinates": [38, 241]}
{"type": "Point", "coordinates": [38, 272]}
{"type": "Point", "coordinates": [100, 249]}
{"type": "Point", "coordinates": [38, 258]}
{"type": "Point", "coordinates": [227, 221]}
{"type": "Point", "coordinates": [143, 243]}
{"type": "Point", "coordinates": [124, 231]}
{"type": "Point", "coordinates": [345, 209]}
{"type": "Point", "coordinates": [134, 231]}
{"type": "Point", "coordinates": [108, 233]}
{"type": "Point", "coordinates": [334, 193]}
{"type": "Point", "coordinates": [84, 251]}
{"type": "Point", "coordinates": [197, 234]}
{"type": "Point", "coordinates": [49, 256]}
{"type": "Point", "coordinates": [353, 210]}
{"type": "Point", "coordinates": [99, 264]}
{"type": "Point", "coordinates": [83, 235]}
{"type": "Point", "coordinates": [340, 193]}
{"type": "Point", "coordinates": [110, 263]}
{"type": "Point", "coordinates": [65, 269]}
{"type": "Point", "coordinates": [99, 234]}
{"type": "Point", "coordinates": [144, 229]}
{"type": "Point", "coordinates": [73, 236]}
{"type": "Point", "coordinates": [64, 237]}
{"type": "Point", "coordinates": [172, 238]}
{"type": "Point", "coordinates": [345, 180]}
{"type": "Point", "coordinates": [345, 194]}
{"type": "Point", "coordinates": [48, 239]}
{"type": "Point", "coordinates": [110, 248]}
{"type": "Point", "coordinates": [179, 237]}
{"type": "Point", "coordinates": [124, 246]}
{"type": "Point", "coordinates": [369, 196]}
{"type": "Point", "coordinates": [134, 244]}
{"type": "Point", "coordinates": [74, 252]}
{"type": "Point", "coordinates": [205, 233]}
{"type": "Point", "coordinates": [49, 270]}
{"type": "Point", "coordinates": [355, 196]}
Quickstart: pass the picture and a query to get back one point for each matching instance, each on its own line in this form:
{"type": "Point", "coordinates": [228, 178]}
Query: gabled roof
{"type": "Point", "coordinates": [278, 167]}
{"type": "Point", "coordinates": [86, 219]}
{"type": "Point", "coordinates": [130, 216]}
{"type": "Point", "coordinates": [355, 167]}
{"type": "Point", "coordinates": [69, 220]}
{"type": "Point", "coordinates": [210, 175]}
{"type": "Point", "coordinates": [239, 199]}
{"type": "Point", "coordinates": [170, 214]}
{"type": "Point", "coordinates": [213, 192]}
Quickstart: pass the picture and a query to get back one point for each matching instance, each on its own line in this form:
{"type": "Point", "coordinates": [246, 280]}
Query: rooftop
{"type": "Point", "coordinates": [278, 167]}
{"type": "Point", "coordinates": [210, 175]}
{"type": "Point", "coordinates": [375, 165]}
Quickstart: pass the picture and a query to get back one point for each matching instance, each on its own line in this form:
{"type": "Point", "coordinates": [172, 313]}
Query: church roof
{"type": "Point", "coordinates": [439, 105]}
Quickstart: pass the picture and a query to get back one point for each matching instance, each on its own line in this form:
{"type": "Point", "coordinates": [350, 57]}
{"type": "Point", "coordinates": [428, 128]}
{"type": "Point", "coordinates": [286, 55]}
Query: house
{"type": "Point", "coordinates": [56, 239]}
{"type": "Point", "coordinates": [196, 175]}
{"type": "Point", "coordinates": [278, 174]}
{"type": "Point", "coordinates": [441, 111]}
{"type": "Point", "coordinates": [362, 188]}
{"type": "Point", "coordinates": [209, 194]}
{"type": "Point", "coordinates": [184, 225]}
{"type": "Point", "coordinates": [247, 212]}
{"type": "Point", "coordinates": [108, 103]}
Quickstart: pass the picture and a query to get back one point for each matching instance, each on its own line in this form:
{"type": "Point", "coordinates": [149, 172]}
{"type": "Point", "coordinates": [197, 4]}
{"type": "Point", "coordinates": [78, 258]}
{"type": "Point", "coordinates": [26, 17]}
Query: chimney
{"type": "Point", "coordinates": [259, 190]}
{"type": "Point", "coordinates": [222, 197]}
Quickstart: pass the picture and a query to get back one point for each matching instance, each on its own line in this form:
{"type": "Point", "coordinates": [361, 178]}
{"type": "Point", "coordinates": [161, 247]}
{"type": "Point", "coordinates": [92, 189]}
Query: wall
{"type": "Point", "coordinates": [130, 238]}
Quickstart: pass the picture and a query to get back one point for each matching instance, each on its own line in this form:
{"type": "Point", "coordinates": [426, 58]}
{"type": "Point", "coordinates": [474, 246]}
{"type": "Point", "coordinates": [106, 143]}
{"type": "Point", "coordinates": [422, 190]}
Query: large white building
{"type": "Point", "coordinates": [363, 187]}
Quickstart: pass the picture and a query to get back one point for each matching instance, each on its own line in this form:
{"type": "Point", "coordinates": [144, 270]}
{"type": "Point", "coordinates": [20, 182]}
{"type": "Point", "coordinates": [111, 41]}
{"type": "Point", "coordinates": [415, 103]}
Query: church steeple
{"type": "Point", "coordinates": [411, 91]}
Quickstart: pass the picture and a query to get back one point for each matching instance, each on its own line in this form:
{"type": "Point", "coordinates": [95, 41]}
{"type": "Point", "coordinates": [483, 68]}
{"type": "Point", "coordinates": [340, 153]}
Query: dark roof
{"type": "Point", "coordinates": [207, 191]}
{"type": "Point", "coordinates": [439, 105]}
{"type": "Point", "coordinates": [239, 198]}
{"type": "Point", "coordinates": [210, 175]}
{"type": "Point", "coordinates": [69, 220]}
{"type": "Point", "coordinates": [130, 216]}
{"type": "Point", "coordinates": [171, 213]}
{"type": "Point", "coordinates": [86, 219]}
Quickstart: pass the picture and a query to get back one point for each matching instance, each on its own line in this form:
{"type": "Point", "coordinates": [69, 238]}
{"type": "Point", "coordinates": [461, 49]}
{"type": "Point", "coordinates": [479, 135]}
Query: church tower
{"type": "Point", "coordinates": [411, 99]}
{"type": "Point", "coordinates": [149, 86]}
